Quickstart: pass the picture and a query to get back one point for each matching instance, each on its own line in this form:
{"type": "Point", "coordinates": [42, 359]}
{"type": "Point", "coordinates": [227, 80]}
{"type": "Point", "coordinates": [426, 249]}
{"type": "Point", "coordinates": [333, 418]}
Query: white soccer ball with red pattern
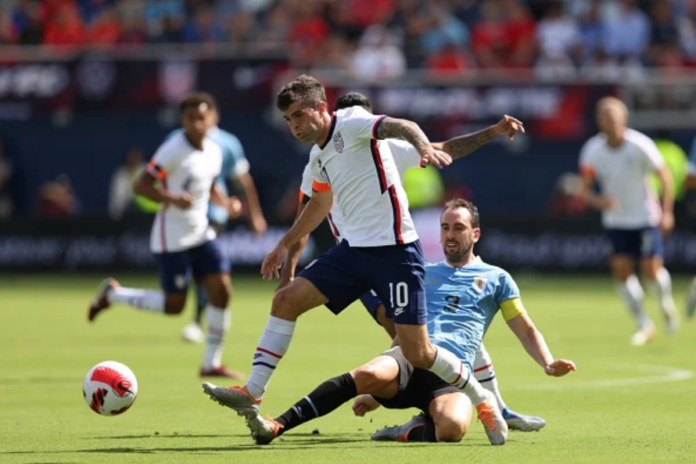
{"type": "Point", "coordinates": [110, 388]}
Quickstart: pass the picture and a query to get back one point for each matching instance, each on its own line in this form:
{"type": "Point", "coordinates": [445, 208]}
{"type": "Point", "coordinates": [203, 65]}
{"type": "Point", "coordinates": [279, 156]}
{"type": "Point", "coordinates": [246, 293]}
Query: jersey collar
{"type": "Point", "coordinates": [477, 260]}
{"type": "Point", "coordinates": [331, 131]}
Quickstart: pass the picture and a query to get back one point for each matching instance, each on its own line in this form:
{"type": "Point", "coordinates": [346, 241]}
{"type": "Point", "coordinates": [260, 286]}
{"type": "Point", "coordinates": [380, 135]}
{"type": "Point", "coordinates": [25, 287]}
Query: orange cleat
{"type": "Point", "coordinates": [101, 301]}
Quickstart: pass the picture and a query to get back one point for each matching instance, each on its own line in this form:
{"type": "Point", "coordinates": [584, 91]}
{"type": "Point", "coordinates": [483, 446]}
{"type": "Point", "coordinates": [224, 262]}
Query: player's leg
{"type": "Point", "coordinates": [193, 332]}
{"type": "Point", "coordinates": [657, 277]}
{"type": "Point", "coordinates": [691, 300]}
{"type": "Point", "coordinates": [376, 309]}
{"type": "Point", "coordinates": [485, 374]}
{"type": "Point", "coordinates": [625, 250]}
{"type": "Point", "coordinates": [211, 268]}
{"type": "Point", "coordinates": [174, 270]}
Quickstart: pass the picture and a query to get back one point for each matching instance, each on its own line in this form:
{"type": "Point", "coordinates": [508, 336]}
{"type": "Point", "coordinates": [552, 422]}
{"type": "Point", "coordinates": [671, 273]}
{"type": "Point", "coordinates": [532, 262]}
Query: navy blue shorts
{"type": "Point", "coordinates": [371, 302]}
{"type": "Point", "coordinates": [175, 268]}
{"type": "Point", "coordinates": [645, 242]}
{"type": "Point", "coordinates": [344, 274]}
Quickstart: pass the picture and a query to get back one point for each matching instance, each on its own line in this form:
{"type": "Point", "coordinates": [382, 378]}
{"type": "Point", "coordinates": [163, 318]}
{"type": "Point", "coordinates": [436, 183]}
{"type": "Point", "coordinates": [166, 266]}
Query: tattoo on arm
{"type": "Point", "coordinates": [391, 128]}
{"type": "Point", "coordinates": [459, 147]}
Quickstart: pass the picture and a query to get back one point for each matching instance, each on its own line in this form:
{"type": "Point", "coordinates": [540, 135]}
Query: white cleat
{"type": "Point", "coordinates": [263, 431]}
{"type": "Point", "coordinates": [669, 311]}
{"type": "Point", "coordinates": [493, 421]}
{"type": "Point", "coordinates": [643, 336]}
{"type": "Point", "coordinates": [193, 333]}
{"type": "Point", "coordinates": [691, 301]}
{"type": "Point", "coordinates": [234, 397]}
{"type": "Point", "coordinates": [521, 422]}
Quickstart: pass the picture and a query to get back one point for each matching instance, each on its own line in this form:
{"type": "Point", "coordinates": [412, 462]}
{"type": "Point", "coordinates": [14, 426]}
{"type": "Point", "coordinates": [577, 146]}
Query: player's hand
{"type": "Point", "coordinates": [510, 126]}
{"type": "Point", "coordinates": [258, 224]}
{"type": "Point", "coordinates": [430, 155]}
{"type": "Point", "coordinates": [605, 203]}
{"type": "Point", "coordinates": [234, 207]}
{"type": "Point", "coordinates": [184, 201]}
{"type": "Point", "coordinates": [272, 263]}
{"type": "Point", "coordinates": [559, 368]}
{"type": "Point", "coordinates": [667, 223]}
{"type": "Point", "coordinates": [364, 404]}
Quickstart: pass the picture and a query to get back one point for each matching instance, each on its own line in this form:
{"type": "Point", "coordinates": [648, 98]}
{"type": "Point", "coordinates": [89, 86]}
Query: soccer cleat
{"type": "Point", "coordinates": [643, 335]}
{"type": "Point", "coordinates": [400, 432]}
{"type": "Point", "coordinates": [492, 420]}
{"type": "Point", "coordinates": [101, 301]}
{"type": "Point", "coordinates": [263, 431]}
{"type": "Point", "coordinates": [691, 301]}
{"type": "Point", "coordinates": [671, 316]}
{"type": "Point", "coordinates": [222, 371]}
{"type": "Point", "coordinates": [193, 333]}
{"type": "Point", "coordinates": [522, 423]}
{"type": "Point", "coordinates": [234, 397]}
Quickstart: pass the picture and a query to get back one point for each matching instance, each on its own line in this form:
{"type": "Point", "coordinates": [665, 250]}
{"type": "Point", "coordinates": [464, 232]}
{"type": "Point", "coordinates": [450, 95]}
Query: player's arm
{"type": "Point", "coordinates": [256, 219]}
{"type": "Point", "coordinates": [461, 146]}
{"type": "Point", "coordinates": [690, 181]}
{"type": "Point", "coordinates": [590, 197]}
{"type": "Point", "coordinates": [665, 176]}
{"type": "Point", "coordinates": [410, 131]}
{"type": "Point", "coordinates": [312, 215]}
{"type": "Point", "coordinates": [532, 340]}
{"type": "Point", "coordinates": [231, 204]}
{"type": "Point", "coordinates": [287, 274]}
{"type": "Point", "coordinates": [145, 185]}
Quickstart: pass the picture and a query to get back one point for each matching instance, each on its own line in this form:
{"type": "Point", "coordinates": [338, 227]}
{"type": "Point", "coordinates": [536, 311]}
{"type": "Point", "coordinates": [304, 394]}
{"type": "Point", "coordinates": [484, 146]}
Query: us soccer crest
{"type": "Point", "coordinates": [480, 283]}
{"type": "Point", "coordinates": [338, 142]}
{"type": "Point", "coordinates": [180, 281]}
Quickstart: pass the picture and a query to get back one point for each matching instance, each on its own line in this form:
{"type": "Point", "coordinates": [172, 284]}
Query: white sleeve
{"type": "Point", "coordinates": [652, 158]}
{"type": "Point", "coordinates": [307, 180]}
{"type": "Point", "coordinates": [587, 163]}
{"type": "Point", "coordinates": [360, 123]}
{"type": "Point", "coordinates": [405, 155]}
{"type": "Point", "coordinates": [166, 158]}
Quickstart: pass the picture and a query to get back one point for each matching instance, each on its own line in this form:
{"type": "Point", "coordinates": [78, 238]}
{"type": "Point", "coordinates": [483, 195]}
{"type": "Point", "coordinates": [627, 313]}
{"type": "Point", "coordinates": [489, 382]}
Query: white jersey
{"type": "Point", "coordinates": [405, 157]}
{"type": "Point", "coordinates": [182, 168]}
{"type": "Point", "coordinates": [364, 180]}
{"type": "Point", "coordinates": [622, 174]}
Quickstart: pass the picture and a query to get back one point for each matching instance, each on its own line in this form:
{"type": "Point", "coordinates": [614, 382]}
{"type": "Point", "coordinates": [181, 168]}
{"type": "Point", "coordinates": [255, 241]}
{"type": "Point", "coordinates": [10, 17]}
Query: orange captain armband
{"type": "Point", "coordinates": [588, 171]}
{"type": "Point", "coordinates": [320, 187]}
{"type": "Point", "coordinates": [156, 171]}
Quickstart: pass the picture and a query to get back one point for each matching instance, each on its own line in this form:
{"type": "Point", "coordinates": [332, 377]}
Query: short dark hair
{"type": "Point", "coordinates": [462, 203]}
{"type": "Point", "coordinates": [350, 99]}
{"type": "Point", "coordinates": [304, 89]}
{"type": "Point", "coordinates": [196, 99]}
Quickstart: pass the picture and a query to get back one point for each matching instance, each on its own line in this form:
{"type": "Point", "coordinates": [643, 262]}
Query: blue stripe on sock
{"type": "Point", "coordinates": [309, 400]}
{"type": "Point", "coordinates": [258, 363]}
{"type": "Point", "coordinates": [488, 379]}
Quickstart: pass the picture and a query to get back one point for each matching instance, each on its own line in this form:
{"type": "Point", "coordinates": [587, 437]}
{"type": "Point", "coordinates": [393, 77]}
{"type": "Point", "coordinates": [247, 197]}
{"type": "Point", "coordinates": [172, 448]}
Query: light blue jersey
{"type": "Point", "coordinates": [462, 303]}
{"type": "Point", "coordinates": [234, 165]}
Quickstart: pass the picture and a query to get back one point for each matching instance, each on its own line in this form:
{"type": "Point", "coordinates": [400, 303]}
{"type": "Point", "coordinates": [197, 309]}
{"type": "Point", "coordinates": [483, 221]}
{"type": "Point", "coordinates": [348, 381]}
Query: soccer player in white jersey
{"type": "Point", "coordinates": [407, 157]}
{"type": "Point", "coordinates": [690, 184]}
{"type": "Point", "coordinates": [621, 160]}
{"type": "Point", "coordinates": [380, 250]}
{"type": "Point", "coordinates": [464, 294]}
{"type": "Point", "coordinates": [186, 167]}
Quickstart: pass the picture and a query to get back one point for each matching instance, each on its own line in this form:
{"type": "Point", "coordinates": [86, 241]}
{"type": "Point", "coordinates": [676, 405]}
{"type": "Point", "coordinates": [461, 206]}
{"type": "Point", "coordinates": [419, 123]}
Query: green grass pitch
{"type": "Point", "coordinates": [624, 404]}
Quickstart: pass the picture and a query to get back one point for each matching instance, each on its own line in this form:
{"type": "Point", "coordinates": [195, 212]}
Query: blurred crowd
{"type": "Point", "coordinates": [383, 38]}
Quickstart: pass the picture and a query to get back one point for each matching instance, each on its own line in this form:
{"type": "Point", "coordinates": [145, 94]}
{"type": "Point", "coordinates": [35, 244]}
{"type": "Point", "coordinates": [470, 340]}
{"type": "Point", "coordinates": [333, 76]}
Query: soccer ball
{"type": "Point", "coordinates": [110, 388]}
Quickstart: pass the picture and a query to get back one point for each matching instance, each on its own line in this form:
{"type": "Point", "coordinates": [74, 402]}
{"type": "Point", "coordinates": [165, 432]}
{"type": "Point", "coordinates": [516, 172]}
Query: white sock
{"type": "Point", "coordinates": [662, 288]}
{"type": "Point", "coordinates": [484, 373]}
{"type": "Point", "coordinates": [273, 345]}
{"type": "Point", "coordinates": [450, 369]}
{"type": "Point", "coordinates": [218, 321]}
{"type": "Point", "coordinates": [147, 300]}
{"type": "Point", "coordinates": [633, 295]}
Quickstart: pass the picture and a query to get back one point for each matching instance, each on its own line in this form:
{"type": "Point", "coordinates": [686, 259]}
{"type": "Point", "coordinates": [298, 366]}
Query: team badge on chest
{"type": "Point", "coordinates": [338, 142]}
{"type": "Point", "coordinates": [480, 283]}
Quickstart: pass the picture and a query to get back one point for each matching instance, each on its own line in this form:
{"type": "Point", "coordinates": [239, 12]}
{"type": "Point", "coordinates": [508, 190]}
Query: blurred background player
{"type": "Point", "coordinates": [463, 296]}
{"type": "Point", "coordinates": [690, 184]}
{"type": "Point", "coordinates": [182, 240]}
{"type": "Point", "coordinates": [621, 160]}
{"type": "Point", "coordinates": [235, 169]}
{"type": "Point", "coordinates": [406, 157]}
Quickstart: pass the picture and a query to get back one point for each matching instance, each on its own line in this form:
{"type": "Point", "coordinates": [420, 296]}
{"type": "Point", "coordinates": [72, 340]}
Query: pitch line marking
{"type": "Point", "coordinates": [665, 374]}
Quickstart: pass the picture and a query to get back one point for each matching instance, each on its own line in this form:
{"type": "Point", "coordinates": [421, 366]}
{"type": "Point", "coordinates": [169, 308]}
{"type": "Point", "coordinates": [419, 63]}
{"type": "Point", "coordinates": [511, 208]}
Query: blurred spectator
{"type": "Point", "coordinates": [66, 28]}
{"type": "Point", "coordinates": [626, 31]}
{"type": "Point", "coordinates": [505, 35]}
{"type": "Point", "coordinates": [565, 201]}
{"type": "Point", "coordinates": [378, 58]}
{"type": "Point", "coordinates": [105, 30]}
{"type": "Point", "coordinates": [204, 28]}
{"type": "Point", "coordinates": [6, 171]}
{"type": "Point", "coordinates": [307, 33]}
{"type": "Point", "coordinates": [121, 191]}
{"type": "Point", "coordinates": [444, 30]}
{"type": "Point", "coordinates": [451, 61]}
{"type": "Point", "coordinates": [591, 31]}
{"type": "Point", "coordinates": [29, 23]}
{"type": "Point", "coordinates": [241, 27]}
{"type": "Point", "coordinates": [7, 32]}
{"type": "Point", "coordinates": [57, 199]}
{"type": "Point", "coordinates": [558, 33]}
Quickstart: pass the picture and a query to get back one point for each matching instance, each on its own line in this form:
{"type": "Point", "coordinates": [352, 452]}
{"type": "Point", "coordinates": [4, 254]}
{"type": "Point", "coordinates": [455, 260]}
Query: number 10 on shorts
{"type": "Point", "coordinates": [398, 295]}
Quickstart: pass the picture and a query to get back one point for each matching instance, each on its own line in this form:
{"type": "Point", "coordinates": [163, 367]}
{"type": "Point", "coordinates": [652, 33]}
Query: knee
{"type": "Point", "coordinates": [174, 304]}
{"type": "Point", "coordinates": [366, 379]}
{"type": "Point", "coordinates": [450, 429]}
{"type": "Point", "coordinates": [284, 304]}
{"type": "Point", "coordinates": [220, 297]}
{"type": "Point", "coordinates": [419, 356]}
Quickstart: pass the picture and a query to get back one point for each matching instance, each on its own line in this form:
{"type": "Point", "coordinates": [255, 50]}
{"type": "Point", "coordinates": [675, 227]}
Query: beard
{"type": "Point", "coordinates": [458, 255]}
